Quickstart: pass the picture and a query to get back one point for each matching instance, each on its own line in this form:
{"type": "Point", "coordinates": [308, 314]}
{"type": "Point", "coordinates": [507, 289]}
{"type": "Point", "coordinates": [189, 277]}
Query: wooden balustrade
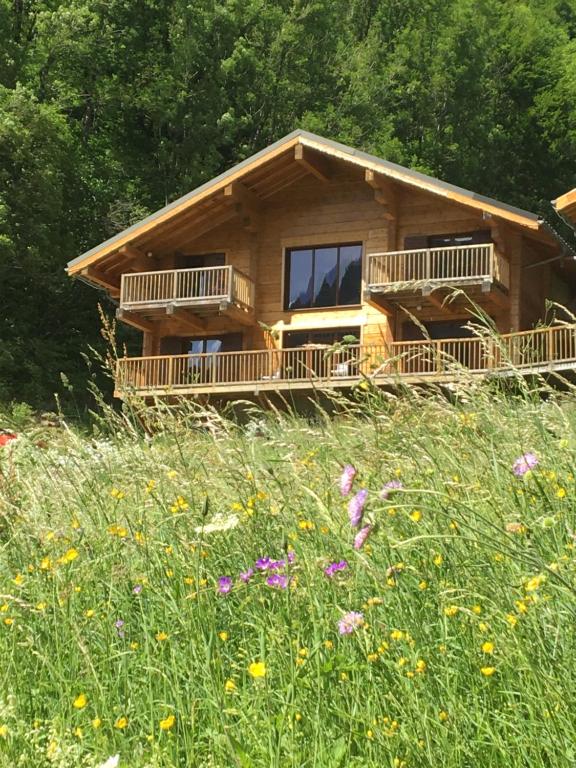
{"type": "Point", "coordinates": [398, 270]}
{"type": "Point", "coordinates": [279, 368]}
{"type": "Point", "coordinates": [186, 287]}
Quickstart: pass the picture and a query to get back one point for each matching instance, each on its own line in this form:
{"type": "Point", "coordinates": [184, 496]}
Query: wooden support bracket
{"type": "Point", "coordinates": [312, 162]}
{"type": "Point", "coordinates": [186, 318]}
{"type": "Point", "coordinates": [131, 318]}
{"type": "Point", "coordinates": [384, 194]}
{"type": "Point", "coordinates": [246, 204]}
{"type": "Point", "coordinates": [109, 282]}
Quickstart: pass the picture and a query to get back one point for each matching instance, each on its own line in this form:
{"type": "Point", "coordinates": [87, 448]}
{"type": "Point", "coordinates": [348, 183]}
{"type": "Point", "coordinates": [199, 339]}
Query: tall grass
{"type": "Point", "coordinates": [115, 636]}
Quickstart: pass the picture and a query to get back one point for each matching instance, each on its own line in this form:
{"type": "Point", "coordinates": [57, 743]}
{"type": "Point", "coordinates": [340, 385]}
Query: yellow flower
{"type": "Point", "coordinates": [134, 646]}
{"type": "Point", "coordinates": [423, 585]}
{"type": "Point", "coordinates": [561, 493]}
{"type": "Point", "coordinates": [3, 731]}
{"type": "Point", "coordinates": [18, 579]}
{"type": "Point", "coordinates": [171, 474]}
{"type": "Point", "coordinates": [229, 686]}
{"type": "Point", "coordinates": [8, 622]}
{"type": "Point", "coordinates": [4, 608]}
{"type": "Point", "coordinates": [78, 732]}
{"type": "Point", "coordinates": [488, 671]}
{"type": "Point", "coordinates": [421, 665]}
{"type": "Point", "coordinates": [396, 634]}
{"type": "Point", "coordinates": [487, 647]}
{"type": "Point", "coordinates": [161, 636]}
{"type": "Point", "coordinates": [533, 583]}
{"type": "Point", "coordinates": [477, 609]}
{"type": "Point", "coordinates": [89, 613]}
{"type": "Point", "coordinates": [511, 619]}
{"type": "Point", "coordinates": [521, 606]}
{"type": "Point", "coordinates": [483, 627]}
{"type": "Point", "coordinates": [117, 494]}
{"type": "Point", "coordinates": [443, 716]}
{"type": "Point", "coordinates": [306, 525]}
{"type": "Point", "coordinates": [40, 606]}
{"type": "Point", "coordinates": [69, 556]}
{"type": "Point", "coordinates": [328, 644]}
{"type": "Point", "coordinates": [121, 723]}
{"type": "Point", "coordinates": [223, 636]}
{"type": "Point", "coordinates": [80, 701]}
{"type": "Point", "coordinates": [369, 734]}
{"type": "Point", "coordinates": [372, 657]}
{"type": "Point", "coordinates": [438, 560]}
{"type": "Point", "coordinates": [150, 485]}
{"type": "Point", "coordinates": [96, 723]}
{"type": "Point", "coordinates": [45, 564]}
{"type": "Point", "coordinates": [303, 652]}
{"type": "Point", "coordinates": [451, 610]}
{"type": "Point", "coordinates": [416, 516]}
{"type": "Point", "coordinates": [257, 669]}
{"type": "Point", "coordinates": [167, 723]}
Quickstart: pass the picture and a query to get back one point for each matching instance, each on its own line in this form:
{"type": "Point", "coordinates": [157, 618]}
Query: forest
{"type": "Point", "coordinates": [111, 108]}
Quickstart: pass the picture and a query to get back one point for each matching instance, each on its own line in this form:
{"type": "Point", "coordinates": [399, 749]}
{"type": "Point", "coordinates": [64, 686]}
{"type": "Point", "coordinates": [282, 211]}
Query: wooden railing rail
{"type": "Point", "coordinates": [186, 286]}
{"type": "Point", "coordinates": [427, 358]}
{"type": "Point", "coordinates": [437, 265]}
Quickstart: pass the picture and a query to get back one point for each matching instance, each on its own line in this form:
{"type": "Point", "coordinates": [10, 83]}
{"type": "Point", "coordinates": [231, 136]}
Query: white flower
{"type": "Point", "coordinates": [112, 762]}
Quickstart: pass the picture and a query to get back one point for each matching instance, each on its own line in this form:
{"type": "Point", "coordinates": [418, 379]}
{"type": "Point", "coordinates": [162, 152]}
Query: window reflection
{"type": "Point", "coordinates": [327, 276]}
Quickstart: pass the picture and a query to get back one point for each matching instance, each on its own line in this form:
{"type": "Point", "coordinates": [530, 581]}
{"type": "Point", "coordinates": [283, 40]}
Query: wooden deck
{"type": "Point", "coordinates": [401, 272]}
{"type": "Point", "coordinates": [201, 290]}
{"type": "Point", "coordinates": [252, 372]}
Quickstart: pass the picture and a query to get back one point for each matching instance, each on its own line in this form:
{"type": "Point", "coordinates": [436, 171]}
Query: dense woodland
{"type": "Point", "coordinates": [111, 108]}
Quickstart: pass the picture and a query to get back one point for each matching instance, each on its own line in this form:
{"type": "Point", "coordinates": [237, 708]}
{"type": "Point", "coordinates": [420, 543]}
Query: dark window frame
{"type": "Point", "coordinates": [313, 249]}
{"type": "Point", "coordinates": [338, 331]}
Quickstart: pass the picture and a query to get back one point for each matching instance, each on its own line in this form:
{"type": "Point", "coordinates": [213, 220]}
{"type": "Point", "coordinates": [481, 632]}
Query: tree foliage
{"type": "Point", "coordinates": [111, 108]}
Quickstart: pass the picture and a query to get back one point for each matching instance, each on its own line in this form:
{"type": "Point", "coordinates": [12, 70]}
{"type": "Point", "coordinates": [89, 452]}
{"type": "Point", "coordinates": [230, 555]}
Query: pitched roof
{"type": "Point", "coordinates": [323, 146]}
{"type": "Point", "coordinates": [566, 205]}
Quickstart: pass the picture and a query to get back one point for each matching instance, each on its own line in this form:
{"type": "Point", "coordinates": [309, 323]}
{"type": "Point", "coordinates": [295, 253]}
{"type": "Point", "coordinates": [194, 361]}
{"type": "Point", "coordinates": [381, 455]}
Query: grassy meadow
{"type": "Point", "coordinates": [187, 592]}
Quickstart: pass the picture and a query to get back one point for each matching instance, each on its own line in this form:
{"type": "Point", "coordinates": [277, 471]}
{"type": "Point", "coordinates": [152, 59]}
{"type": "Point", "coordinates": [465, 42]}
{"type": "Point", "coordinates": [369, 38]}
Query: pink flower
{"type": "Point", "coordinates": [361, 536]}
{"type": "Point", "coordinates": [390, 487]}
{"type": "Point", "coordinates": [6, 438]}
{"type": "Point", "coordinates": [346, 479]}
{"type": "Point", "coordinates": [524, 464]}
{"type": "Point", "coordinates": [349, 622]}
{"type": "Point", "coordinates": [356, 507]}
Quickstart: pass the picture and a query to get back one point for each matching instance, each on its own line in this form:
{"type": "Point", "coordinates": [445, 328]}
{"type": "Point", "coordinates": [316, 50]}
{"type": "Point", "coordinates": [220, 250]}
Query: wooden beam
{"type": "Point", "coordinates": [245, 203]}
{"type": "Point", "coordinates": [384, 194]}
{"type": "Point", "coordinates": [136, 259]}
{"type": "Point", "coordinates": [111, 284]}
{"type": "Point", "coordinates": [186, 318]}
{"type": "Point", "coordinates": [131, 318]}
{"type": "Point", "coordinates": [437, 301]}
{"type": "Point", "coordinates": [285, 181]}
{"type": "Point", "coordinates": [192, 230]}
{"type": "Point", "coordinates": [377, 301]}
{"type": "Point", "coordinates": [312, 162]}
{"type": "Point", "coordinates": [232, 312]}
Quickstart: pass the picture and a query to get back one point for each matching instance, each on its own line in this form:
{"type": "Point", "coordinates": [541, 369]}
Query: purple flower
{"type": "Point", "coordinates": [361, 536]}
{"type": "Point", "coordinates": [346, 479]}
{"type": "Point", "coordinates": [137, 588]}
{"type": "Point", "coordinates": [390, 487]}
{"type": "Point", "coordinates": [335, 567]}
{"type": "Point", "coordinates": [291, 556]}
{"type": "Point", "coordinates": [276, 565]}
{"type": "Point", "coordinates": [277, 580]}
{"type": "Point", "coordinates": [119, 623]}
{"type": "Point", "coordinates": [224, 585]}
{"type": "Point", "coordinates": [263, 563]}
{"type": "Point", "coordinates": [245, 576]}
{"type": "Point", "coordinates": [349, 622]}
{"type": "Point", "coordinates": [356, 507]}
{"type": "Point", "coordinates": [524, 464]}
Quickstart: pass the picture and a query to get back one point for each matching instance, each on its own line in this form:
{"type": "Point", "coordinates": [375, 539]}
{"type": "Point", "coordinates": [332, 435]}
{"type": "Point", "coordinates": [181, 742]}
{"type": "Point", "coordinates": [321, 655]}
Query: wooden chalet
{"type": "Point", "coordinates": [258, 280]}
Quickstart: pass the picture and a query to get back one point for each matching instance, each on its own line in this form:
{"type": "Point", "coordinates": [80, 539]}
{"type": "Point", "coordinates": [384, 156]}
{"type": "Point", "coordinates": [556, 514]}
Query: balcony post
{"type": "Point", "coordinates": [230, 283]}
{"type": "Point", "coordinates": [428, 264]}
{"type": "Point", "coordinates": [169, 382]}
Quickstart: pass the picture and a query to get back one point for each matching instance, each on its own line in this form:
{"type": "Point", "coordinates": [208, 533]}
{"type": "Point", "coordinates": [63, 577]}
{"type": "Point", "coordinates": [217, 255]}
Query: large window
{"type": "Point", "coordinates": [327, 276]}
{"type": "Point", "coordinates": [327, 336]}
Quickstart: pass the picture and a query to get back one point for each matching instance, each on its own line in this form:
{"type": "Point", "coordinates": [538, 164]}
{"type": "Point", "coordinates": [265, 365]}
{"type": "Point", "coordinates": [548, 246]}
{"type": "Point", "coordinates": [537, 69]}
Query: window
{"type": "Point", "coordinates": [420, 242]}
{"type": "Point", "coordinates": [328, 336]}
{"type": "Point", "coordinates": [327, 276]}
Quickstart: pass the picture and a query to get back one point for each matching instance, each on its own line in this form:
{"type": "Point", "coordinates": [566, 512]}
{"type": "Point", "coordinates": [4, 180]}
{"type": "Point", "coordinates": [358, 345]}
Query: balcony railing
{"type": "Point", "coordinates": [459, 265]}
{"type": "Point", "coordinates": [551, 348]}
{"type": "Point", "coordinates": [186, 288]}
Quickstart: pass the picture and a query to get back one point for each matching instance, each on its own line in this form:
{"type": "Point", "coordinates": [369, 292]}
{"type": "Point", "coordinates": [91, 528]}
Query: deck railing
{"type": "Point", "coordinates": [186, 287]}
{"type": "Point", "coordinates": [400, 270]}
{"type": "Point", "coordinates": [279, 368]}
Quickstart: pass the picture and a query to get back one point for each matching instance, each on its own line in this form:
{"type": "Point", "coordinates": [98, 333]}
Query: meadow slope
{"type": "Point", "coordinates": [193, 596]}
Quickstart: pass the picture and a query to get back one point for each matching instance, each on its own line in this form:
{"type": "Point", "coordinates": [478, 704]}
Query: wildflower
{"type": "Point", "coordinates": [372, 657]}
{"type": "Point", "coordinates": [167, 723]}
{"type": "Point", "coordinates": [534, 583]}
{"type": "Point", "coordinates": [119, 623]}
{"type": "Point", "coordinates": [229, 686]}
{"type": "Point", "coordinates": [346, 479]}
{"type": "Point", "coordinates": [245, 576]}
{"type": "Point", "coordinates": [443, 716]}
{"type": "Point", "coordinates": [487, 647]}
{"type": "Point", "coordinates": [515, 528]}
{"type": "Point", "coordinates": [150, 486]}
{"type": "Point", "coordinates": [69, 556]}
{"type": "Point", "coordinates": [524, 464]}
{"type": "Point", "coordinates": [89, 613]}
{"type": "Point", "coordinates": [483, 627]}
{"type": "Point", "coordinates": [137, 589]}
{"type": "Point", "coordinates": [362, 536]}
{"type": "Point", "coordinates": [121, 723]}
{"type": "Point", "coordinates": [356, 507]}
{"type": "Point", "coordinates": [161, 636]}
{"type": "Point", "coordinates": [511, 619]}
{"type": "Point", "coordinates": [96, 723]}
{"type": "Point", "coordinates": [223, 636]}
{"type": "Point", "coordinates": [390, 487]}
{"type": "Point", "coordinates": [451, 610]}
{"type": "Point", "coordinates": [6, 438]}
{"type": "Point", "coordinates": [257, 669]}
{"type": "Point", "coordinates": [416, 516]}
{"type": "Point", "coordinates": [134, 646]}
{"type": "Point", "coordinates": [224, 585]}
{"type": "Point", "coordinates": [421, 666]}
{"type": "Point", "coordinates": [171, 474]}
{"type": "Point", "coordinates": [263, 563]}
{"type": "Point", "coordinates": [396, 634]}
{"type": "Point", "coordinates": [438, 560]}
{"type": "Point", "coordinates": [41, 606]}
{"type": "Point", "coordinates": [117, 494]}
{"type": "Point", "coordinates": [349, 622]}
{"type": "Point", "coordinates": [78, 732]}
{"type": "Point", "coordinates": [328, 644]}
{"type": "Point", "coordinates": [488, 671]}
{"type": "Point", "coordinates": [9, 621]}
{"type": "Point", "coordinates": [18, 579]}
{"type": "Point", "coordinates": [333, 568]}
{"type": "Point", "coordinates": [306, 525]}
{"type": "Point", "coordinates": [45, 564]}
{"type": "Point", "coordinates": [422, 585]}
{"type": "Point", "coordinates": [80, 701]}
{"type": "Point", "coordinates": [277, 580]}
{"type": "Point", "coordinates": [561, 493]}
{"type": "Point", "coordinates": [3, 731]}
{"type": "Point", "coordinates": [477, 610]}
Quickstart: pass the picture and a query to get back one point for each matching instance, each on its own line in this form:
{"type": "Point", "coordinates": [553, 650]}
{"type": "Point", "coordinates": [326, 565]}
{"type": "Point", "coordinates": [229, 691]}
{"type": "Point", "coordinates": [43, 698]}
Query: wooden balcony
{"type": "Point", "coordinates": [250, 372]}
{"type": "Point", "coordinates": [204, 291]}
{"type": "Point", "coordinates": [401, 274]}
